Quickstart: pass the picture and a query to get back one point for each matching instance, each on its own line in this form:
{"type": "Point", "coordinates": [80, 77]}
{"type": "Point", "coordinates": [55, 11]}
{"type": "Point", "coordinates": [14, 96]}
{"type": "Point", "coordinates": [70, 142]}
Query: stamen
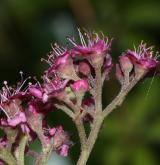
{"type": "Point", "coordinates": [21, 74]}
{"type": "Point", "coordinates": [6, 86]}
{"type": "Point", "coordinates": [22, 84]}
{"type": "Point", "coordinates": [4, 112]}
{"type": "Point", "coordinates": [82, 38]}
{"type": "Point", "coordinates": [71, 41]}
{"type": "Point", "coordinates": [39, 84]}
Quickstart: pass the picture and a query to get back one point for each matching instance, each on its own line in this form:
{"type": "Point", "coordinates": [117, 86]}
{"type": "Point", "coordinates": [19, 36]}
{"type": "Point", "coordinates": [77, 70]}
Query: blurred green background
{"type": "Point", "coordinates": [131, 134]}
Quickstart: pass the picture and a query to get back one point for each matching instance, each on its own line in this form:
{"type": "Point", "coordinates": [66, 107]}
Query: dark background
{"type": "Point", "coordinates": [131, 134]}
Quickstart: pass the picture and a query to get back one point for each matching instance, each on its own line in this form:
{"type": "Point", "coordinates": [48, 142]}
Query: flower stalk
{"type": "Point", "coordinates": [73, 83]}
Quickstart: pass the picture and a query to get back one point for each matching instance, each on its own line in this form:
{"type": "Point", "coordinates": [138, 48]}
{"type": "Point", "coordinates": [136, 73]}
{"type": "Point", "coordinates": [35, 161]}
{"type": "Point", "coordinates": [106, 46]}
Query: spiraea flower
{"type": "Point", "coordinates": [54, 87]}
{"type": "Point", "coordinates": [93, 47]}
{"type": "Point", "coordinates": [51, 87]}
{"type": "Point", "coordinates": [11, 104]}
{"type": "Point", "coordinates": [62, 141]}
{"type": "Point", "coordinates": [61, 63]}
{"type": "Point", "coordinates": [142, 58]}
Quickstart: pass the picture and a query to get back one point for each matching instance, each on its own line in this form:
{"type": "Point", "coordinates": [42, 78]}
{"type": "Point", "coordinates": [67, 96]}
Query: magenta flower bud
{"type": "Point", "coordinates": [63, 59]}
{"type": "Point", "coordinates": [35, 91]}
{"type": "Point", "coordinates": [107, 66]}
{"type": "Point", "coordinates": [119, 74]}
{"type": "Point", "coordinates": [80, 85]}
{"type": "Point", "coordinates": [126, 64]}
{"type": "Point", "coordinates": [52, 131]}
{"type": "Point", "coordinates": [84, 68]}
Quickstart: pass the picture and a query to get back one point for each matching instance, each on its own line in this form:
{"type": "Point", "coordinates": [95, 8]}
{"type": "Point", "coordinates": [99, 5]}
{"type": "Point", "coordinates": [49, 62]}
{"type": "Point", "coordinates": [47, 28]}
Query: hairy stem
{"type": "Point", "coordinates": [19, 153]}
{"type": "Point", "coordinates": [66, 110]}
{"type": "Point", "coordinates": [98, 90]}
{"type": "Point", "coordinates": [120, 97]}
{"type": "Point", "coordinates": [86, 151]}
{"type": "Point", "coordinates": [82, 133]}
{"type": "Point", "coordinates": [100, 115]}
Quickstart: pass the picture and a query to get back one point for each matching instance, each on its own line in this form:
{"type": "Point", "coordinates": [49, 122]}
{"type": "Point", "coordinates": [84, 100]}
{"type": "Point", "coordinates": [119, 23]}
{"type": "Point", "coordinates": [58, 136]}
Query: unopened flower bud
{"type": "Point", "coordinates": [119, 74]}
{"type": "Point", "coordinates": [63, 67]}
{"type": "Point", "coordinates": [35, 92]}
{"type": "Point", "coordinates": [126, 64]}
{"type": "Point", "coordinates": [80, 85]}
{"type": "Point", "coordinates": [126, 67]}
{"type": "Point", "coordinates": [84, 68]}
{"type": "Point", "coordinates": [34, 118]}
{"type": "Point", "coordinates": [140, 71]}
{"type": "Point", "coordinates": [52, 131]}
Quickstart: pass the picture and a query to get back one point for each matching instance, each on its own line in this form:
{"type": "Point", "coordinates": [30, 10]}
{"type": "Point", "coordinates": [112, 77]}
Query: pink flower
{"type": "Point", "coordinates": [60, 138]}
{"type": "Point", "coordinates": [93, 47]}
{"type": "Point", "coordinates": [36, 91]}
{"type": "Point", "coordinates": [63, 150]}
{"type": "Point", "coordinates": [52, 131]}
{"type": "Point", "coordinates": [80, 85]}
{"type": "Point", "coordinates": [61, 64]}
{"type": "Point", "coordinates": [11, 99]}
{"type": "Point", "coordinates": [91, 43]}
{"type": "Point", "coordinates": [53, 85]}
{"type": "Point", "coordinates": [58, 63]}
{"type": "Point", "coordinates": [143, 57]}
{"type": "Point", "coordinates": [84, 68]}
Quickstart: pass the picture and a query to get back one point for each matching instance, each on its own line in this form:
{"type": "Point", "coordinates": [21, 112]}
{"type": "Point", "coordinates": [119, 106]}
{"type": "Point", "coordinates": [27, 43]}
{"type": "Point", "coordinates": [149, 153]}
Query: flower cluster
{"type": "Point", "coordinates": [136, 63]}
{"type": "Point", "coordinates": [24, 113]}
{"type": "Point", "coordinates": [71, 83]}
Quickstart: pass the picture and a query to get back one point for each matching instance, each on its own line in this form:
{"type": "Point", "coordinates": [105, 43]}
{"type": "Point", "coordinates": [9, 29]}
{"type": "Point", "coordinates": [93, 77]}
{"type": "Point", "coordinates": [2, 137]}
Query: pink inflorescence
{"type": "Point", "coordinates": [91, 43]}
{"type": "Point", "coordinates": [138, 62]}
{"type": "Point", "coordinates": [69, 80]}
{"type": "Point", "coordinates": [143, 56]}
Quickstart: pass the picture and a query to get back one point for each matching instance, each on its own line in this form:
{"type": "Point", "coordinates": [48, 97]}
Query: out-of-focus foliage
{"type": "Point", "coordinates": [131, 135]}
